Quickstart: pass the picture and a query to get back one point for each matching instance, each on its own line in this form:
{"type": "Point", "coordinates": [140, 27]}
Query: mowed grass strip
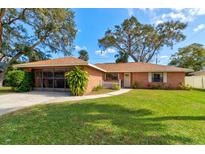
{"type": "Point", "coordinates": [5, 90]}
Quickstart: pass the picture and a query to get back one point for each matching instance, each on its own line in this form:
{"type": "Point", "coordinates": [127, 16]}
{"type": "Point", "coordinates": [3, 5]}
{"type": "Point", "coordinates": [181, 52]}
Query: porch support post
{"type": "Point", "coordinates": [42, 79]}
{"type": "Point", "coordinates": [53, 77]}
{"type": "Point", "coordinates": [64, 80]}
{"type": "Point", "coordinates": [119, 80]}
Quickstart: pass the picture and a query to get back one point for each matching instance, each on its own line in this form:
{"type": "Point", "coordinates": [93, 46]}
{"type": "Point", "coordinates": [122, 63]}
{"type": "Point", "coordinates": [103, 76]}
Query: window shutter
{"type": "Point", "coordinates": [165, 77]}
{"type": "Point", "coordinates": [149, 77]}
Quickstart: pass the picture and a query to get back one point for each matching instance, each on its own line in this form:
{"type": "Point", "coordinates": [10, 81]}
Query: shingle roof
{"type": "Point", "coordinates": [54, 62]}
{"type": "Point", "coordinates": [66, 61]}
{"type": "Point", "coordinates": [198, 73]}
{"type": "Point", "coordinates": [106, 67]}
{"type": "Point", "coordinates": [140, 67]}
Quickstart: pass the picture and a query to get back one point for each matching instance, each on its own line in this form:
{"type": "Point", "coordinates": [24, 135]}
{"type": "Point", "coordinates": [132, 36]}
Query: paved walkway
{"type": "Point", "coordinates": [16, 101]}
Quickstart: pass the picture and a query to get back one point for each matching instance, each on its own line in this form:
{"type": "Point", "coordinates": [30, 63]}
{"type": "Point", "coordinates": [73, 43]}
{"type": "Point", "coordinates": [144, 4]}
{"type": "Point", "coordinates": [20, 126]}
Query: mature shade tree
{"type": "Point", "coordinates": [36, 56]}
{"type": "Point", "coordinates": [29, 32]}
{"type": "Point", "coordinates": [191, 56]}
{"type": "Point", "coordinates": [83, 54]}
{"type": "Point", "coordinates": [142, 41]}
{"type": "Point", "coordinates": [122, 57]}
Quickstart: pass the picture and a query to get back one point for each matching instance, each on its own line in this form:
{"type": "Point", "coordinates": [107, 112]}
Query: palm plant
{"type": "Point", "coordinates": [77, 80]}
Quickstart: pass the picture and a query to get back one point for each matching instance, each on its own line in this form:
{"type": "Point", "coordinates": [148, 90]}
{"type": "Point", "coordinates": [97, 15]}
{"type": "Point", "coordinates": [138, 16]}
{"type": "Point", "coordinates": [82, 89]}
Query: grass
{"type": "Point", "coordinates": [137, 117]}
{"type": "Point", "coordinates": [101, 91]}
{"type": "Point", "coordinates": [5, 90]}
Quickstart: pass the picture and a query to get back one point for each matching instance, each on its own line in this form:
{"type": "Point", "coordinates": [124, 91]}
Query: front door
{"type": "Point", "coordinates": [127, 80]}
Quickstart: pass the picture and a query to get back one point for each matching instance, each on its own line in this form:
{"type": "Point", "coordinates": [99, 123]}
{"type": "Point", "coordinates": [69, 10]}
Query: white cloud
{"type": "Point", "coordinates": [164, 57]}
{"type": "Point", "coordinates": [130, 12]}
{"type": "Point", "coordinates": [78, 48]}
{"type": "Point", "coordinates": [183, 15]}
{"type": "Point", "coordinates": [199, 27]}
{"type": "Point", "coordinates": [104, 52]}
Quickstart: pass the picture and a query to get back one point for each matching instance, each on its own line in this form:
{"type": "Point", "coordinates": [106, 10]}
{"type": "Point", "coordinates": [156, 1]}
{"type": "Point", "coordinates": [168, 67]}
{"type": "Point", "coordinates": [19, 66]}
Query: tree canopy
{"type": "Point", "coordinates": [191, 56]}
{"type": "Point", "coordinates": [122, 57]}
{"type": "Point", "coordinates": [83, 54]}
{"type": "Point", "coordinates": [34, 33]}
{"type": "Point", "coordinates": [142, 41]}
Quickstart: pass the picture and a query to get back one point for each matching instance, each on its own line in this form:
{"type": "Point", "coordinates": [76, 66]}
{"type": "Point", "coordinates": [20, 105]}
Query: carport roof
{"type": "Point", "coordinates": [65, 61]}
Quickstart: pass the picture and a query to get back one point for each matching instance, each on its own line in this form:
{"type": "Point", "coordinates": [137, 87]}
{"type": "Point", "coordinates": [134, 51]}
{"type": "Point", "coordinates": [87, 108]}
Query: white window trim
{"type": "Point", "coordinates": [164, 77]}
{"type": "Point", "coordinates": [149, 77]}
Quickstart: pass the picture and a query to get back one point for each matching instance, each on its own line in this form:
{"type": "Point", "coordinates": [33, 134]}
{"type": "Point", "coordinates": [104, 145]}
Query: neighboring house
{"type": "Point", "coordinates": [49, 74]}
{"type": "Point", "coordinates": [198, 73]}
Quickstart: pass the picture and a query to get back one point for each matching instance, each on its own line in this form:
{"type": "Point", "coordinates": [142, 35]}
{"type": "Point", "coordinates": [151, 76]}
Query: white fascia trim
{"type": "Point", "coordinates": [91, 65]}
{"type": "Point", "coordinates": [24, 65]}
{"type": "Point", "coordinates": [76, 64]}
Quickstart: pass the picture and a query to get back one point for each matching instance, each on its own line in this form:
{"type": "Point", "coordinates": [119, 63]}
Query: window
{"type": "Point", "coordinates": [111, 76]}
{"type": "Point", "coordinates": [157, 77]}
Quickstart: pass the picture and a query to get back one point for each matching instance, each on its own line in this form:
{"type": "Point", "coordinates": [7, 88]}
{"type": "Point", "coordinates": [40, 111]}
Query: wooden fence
{"type": "Point", "coordinates": [195, 81]}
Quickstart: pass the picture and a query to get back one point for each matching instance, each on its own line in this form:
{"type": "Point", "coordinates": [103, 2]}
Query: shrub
{"type": "Point", "coordinates": [26, 84]}
{"type": "Point", "coordinates": [115, 86]}
{"type": "Point", "coordinates": [157, 86]}
{"type": "Point", "coordinates": [15, 78]}
{"type": "Point", "coordinates": [135, 85]}
{"type": "Point", "coordinates": [19, 80]}
{"type": "Point", "coordinates": [185, 86]}
{"type": "Point", "coordinates": [77, 80]}
{"type": "Point", "coordinates": [97, 88]}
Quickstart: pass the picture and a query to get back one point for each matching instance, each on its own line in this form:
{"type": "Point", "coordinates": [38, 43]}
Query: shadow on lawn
{"type": "Point", "coordinates": [176, 118]}
{"type": "Point", "coordinates": [86, 123]}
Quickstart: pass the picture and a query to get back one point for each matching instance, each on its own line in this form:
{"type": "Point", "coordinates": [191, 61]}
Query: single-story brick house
{"type": "Point", "coordinates": [49, 74]}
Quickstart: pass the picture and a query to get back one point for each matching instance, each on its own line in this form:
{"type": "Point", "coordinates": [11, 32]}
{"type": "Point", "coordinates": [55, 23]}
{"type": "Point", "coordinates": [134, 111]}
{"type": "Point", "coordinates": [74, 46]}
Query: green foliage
{"type": "Point", "coordinates": [26, 84]}
{"type": "Point", "coordinates": [97, 88]}
{"type": "Point", "coordinates": [83, 54]}
{"type": "Point", "coordinates": [15, 78]}
{"type": "Point", "coordinates": [141, 41]}
{"type": "Point", "coordinates": [115, 86]}
{"type": "Point", "coordinates": [157, 86]}
{"type": "Point", "coordinates": [184, 86]}
{"type": "Point", "coordinates": [135, 85]}
{"type": "Point", "coordinates": [122, 57]}
{"type": "Point", "coordinates": [191, 56]}
{"type": "Point", "coordinates": [19, 80]}
{"type": "Point", "coordinates": [53, 30]}
{"type": "Point", "coordinates": [77, 80]}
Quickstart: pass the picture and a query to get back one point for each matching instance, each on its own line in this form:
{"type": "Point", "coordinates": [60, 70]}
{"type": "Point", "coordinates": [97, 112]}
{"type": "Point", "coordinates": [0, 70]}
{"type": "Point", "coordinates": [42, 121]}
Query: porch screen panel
{"type": "Point", "coordinates": [48, 79]}
{"type": "Point", "coordinates": [59, 81]}
{"type": "Point", "coordinates": [38, 79]}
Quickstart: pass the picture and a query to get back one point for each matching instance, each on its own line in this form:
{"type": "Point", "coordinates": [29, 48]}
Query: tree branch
{"type": "Point", "coordinates": [21, 16]}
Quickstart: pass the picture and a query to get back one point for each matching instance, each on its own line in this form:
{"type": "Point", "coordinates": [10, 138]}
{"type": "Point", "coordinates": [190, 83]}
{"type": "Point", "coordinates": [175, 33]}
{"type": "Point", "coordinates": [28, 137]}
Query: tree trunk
{"type": "Point", "coordinates": [2, 12]}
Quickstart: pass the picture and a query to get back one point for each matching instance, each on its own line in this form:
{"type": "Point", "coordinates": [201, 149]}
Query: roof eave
{"type": "Point", "coordinates": [58, 65]}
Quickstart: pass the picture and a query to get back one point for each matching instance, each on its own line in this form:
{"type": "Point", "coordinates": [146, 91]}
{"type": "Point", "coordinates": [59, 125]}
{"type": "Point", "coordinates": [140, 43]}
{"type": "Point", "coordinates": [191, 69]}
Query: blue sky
{"type": "Point", "coordinates": [92, 23]}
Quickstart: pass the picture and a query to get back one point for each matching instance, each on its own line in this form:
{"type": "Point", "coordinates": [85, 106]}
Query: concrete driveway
{"type": "Point", "coordinates": [16, 101]}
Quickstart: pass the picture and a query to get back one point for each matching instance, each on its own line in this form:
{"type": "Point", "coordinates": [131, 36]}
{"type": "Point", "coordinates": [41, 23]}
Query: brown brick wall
{"type": "Point", "coordinates": [95, 78]}
{"type": "Point", "coordinates": [173, 79]}
{"type": "Point", "coordinates": [141, 78]}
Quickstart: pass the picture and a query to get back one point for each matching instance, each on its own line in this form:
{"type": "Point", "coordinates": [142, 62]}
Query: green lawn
{"type": "Point", "coordinates": [5, 90]}
{"type": "Point", "coordinates": [137, 117]}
